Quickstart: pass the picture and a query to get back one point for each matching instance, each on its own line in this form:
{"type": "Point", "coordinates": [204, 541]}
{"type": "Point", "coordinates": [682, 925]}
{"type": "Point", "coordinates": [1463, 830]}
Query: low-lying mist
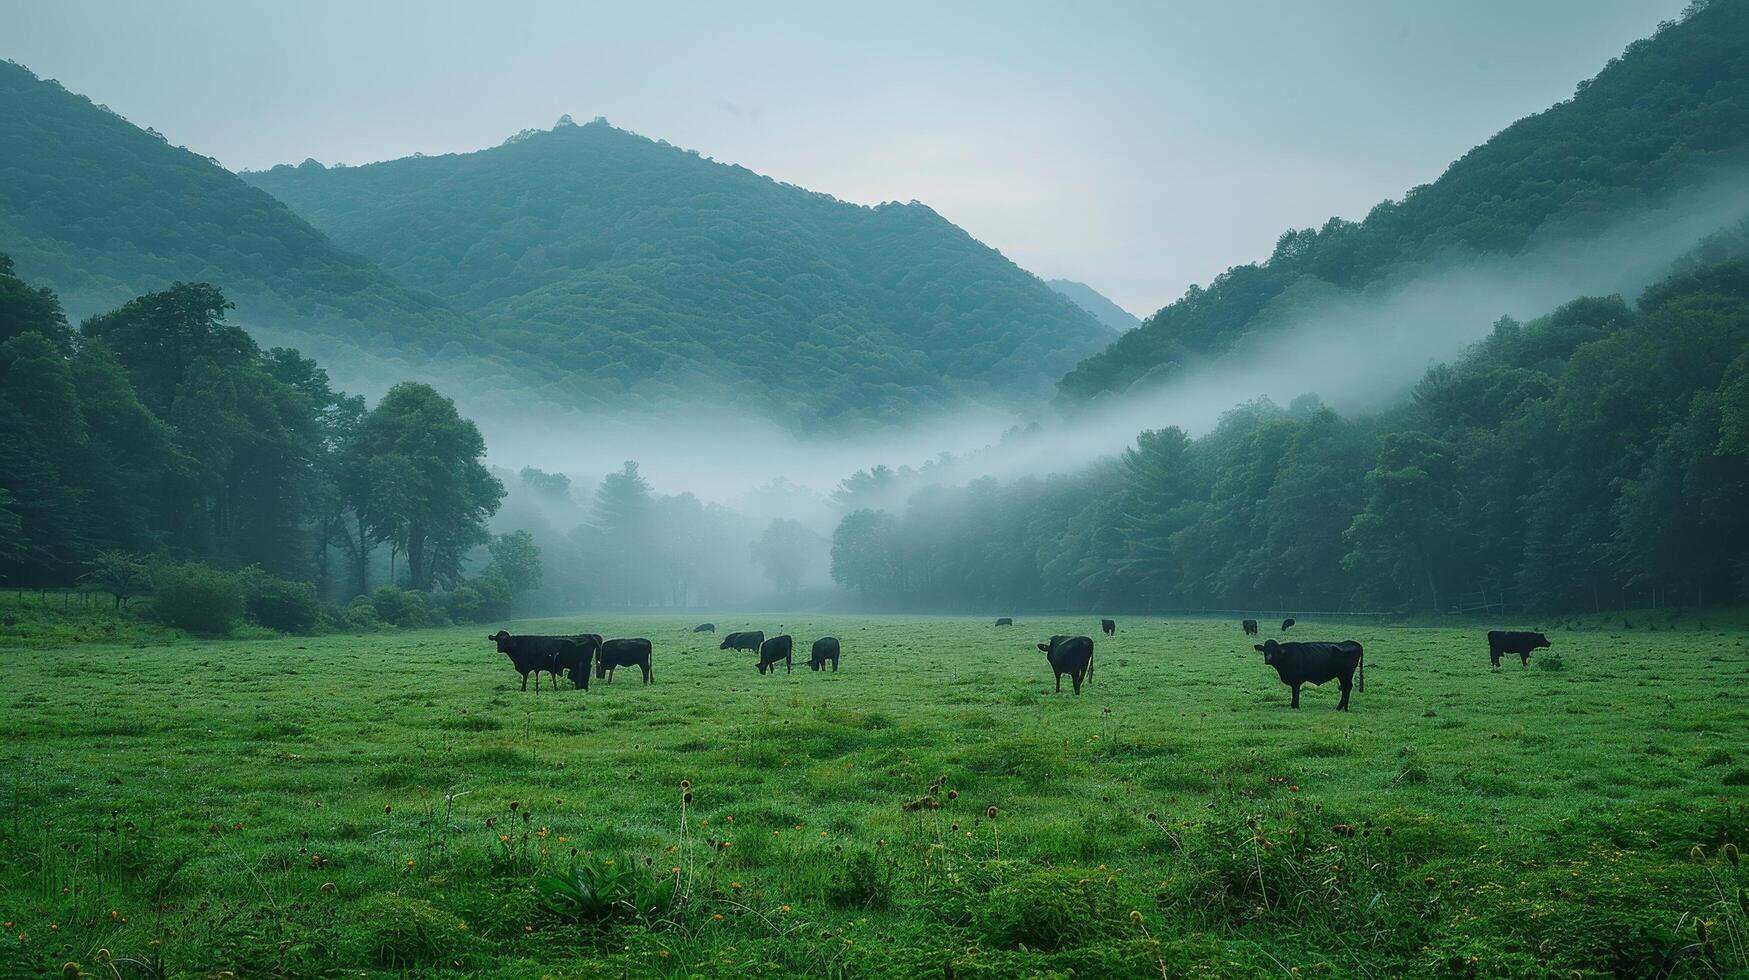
{"type": "Point", "coordinates": [1356, 351]}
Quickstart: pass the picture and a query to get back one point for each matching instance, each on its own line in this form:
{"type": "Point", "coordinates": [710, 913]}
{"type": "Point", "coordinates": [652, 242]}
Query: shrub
{"type": "Point", "coordinates": [278, 603]}
{"type": "Point", "coordinates": [402, 607]}
{"type": "Point", "coordinates": [463, 604]}
{"type": "Point", "coordinates": [357, 616]}
{"type": "Point", "coordinates": [197, 598]}
{"type": "Point", "coordinates": [1551, 661]}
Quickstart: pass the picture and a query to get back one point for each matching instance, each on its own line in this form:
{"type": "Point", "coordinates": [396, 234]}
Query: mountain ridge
{"type": "Point", "coordinates": [649, 272]}
{"type": "Point", "coordinates": [1652, 122]}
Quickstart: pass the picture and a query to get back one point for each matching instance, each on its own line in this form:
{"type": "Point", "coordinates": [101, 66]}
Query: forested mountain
{"type": "Point", "coordinates": [102, 211]}
{"type": "Point", "coordinates": [1096, 303]}
{"type": "Point", "coordinates": [1671, 112]}
{"type": "Point", "coordinates": [646, 273]}
{"type": "Point", "coordinates": [1594, 458]}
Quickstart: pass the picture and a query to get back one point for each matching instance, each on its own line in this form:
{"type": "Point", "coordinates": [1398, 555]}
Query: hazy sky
{"type": "Point", "coordinates": [1138, 146]}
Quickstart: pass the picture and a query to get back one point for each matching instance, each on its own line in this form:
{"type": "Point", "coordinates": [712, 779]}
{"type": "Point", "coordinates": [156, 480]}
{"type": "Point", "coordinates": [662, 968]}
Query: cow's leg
{"type": "Point", "coordinates": [789, 664]}
{"type": "Point", "coordinates": [834, 665]}
{"type": "Point", "coordinates": [1059, 683]}
{"type": "Point", "coordinates": [1076, 678]}
{"type": "Point", "coordinates": [648, 674]}
{"type": "Point", "coordinates": [525, 682]}
{"type": "Point", "coordinates": [1296, 702]}
{"type": "Point", "coordinates": [1524, 660]}
{"type": "Point", "coordinates": [1347, 685]}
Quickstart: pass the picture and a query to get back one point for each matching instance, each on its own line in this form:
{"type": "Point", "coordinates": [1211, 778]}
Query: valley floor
{"type": "Point", "coordinates": [391, 804]}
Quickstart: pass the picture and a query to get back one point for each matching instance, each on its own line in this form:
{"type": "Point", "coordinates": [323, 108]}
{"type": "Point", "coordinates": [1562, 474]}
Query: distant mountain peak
{"type": "Point", "coordinates": [1096, 303]}
{"type": "Point", "coordinates": [647, 274]}
{"type": "Point", "coordinates": [565, 122]}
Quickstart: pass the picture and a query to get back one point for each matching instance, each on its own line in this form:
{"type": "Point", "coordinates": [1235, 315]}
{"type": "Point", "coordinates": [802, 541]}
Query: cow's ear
{"type": "Point", "coordinates": [1258, 647]}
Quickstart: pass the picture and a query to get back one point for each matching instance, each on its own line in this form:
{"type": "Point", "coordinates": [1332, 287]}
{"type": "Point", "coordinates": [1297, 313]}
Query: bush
{"type": "Point", "coordinates": [402, 607]}
{"type": "Point", "coordinates": [278, 603]}
{"type": "Point", "coordinates": [463, 604]}
{"type": "Point", "coordinates": [357, 616]}
{"type": "Point", "coordinates": [197, 598]}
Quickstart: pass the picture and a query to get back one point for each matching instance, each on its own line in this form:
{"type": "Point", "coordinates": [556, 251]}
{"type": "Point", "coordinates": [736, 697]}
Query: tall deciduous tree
{"type": "Point", "coordinates": [414, 479]}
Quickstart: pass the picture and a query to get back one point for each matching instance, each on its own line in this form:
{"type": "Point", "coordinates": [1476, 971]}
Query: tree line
{"type": "Point", "coordinates": [161, 431]}
{"type": "Point", "coordinates": [1591, 459]}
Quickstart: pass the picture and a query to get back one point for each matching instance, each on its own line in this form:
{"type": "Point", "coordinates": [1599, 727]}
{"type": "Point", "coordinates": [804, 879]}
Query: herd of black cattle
{"type": "Point", "coordinates": [1297, 663]}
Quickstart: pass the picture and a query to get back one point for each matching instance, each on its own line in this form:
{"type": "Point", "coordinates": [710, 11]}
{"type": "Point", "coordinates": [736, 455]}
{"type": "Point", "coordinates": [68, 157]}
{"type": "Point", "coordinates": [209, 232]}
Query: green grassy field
{"type": "Point", "coordinates": [391, 804]}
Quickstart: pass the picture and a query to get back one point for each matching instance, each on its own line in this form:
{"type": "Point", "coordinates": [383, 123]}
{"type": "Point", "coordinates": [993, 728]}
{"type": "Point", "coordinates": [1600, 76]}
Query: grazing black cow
{"type": "Point", "coordinates": [1286, 623]}
{"type": "Point", "coordinates": [743, 641]}
{"type": "Point", "coordinates": [1108, 625]}
{"type": "Point", "coordinates": [825, 648]}
{"type": "Point", "coordinates": [776, 649]}
{"type": "Point", "coordinates": [1250, 627]}
{"type": "Point", "coordinates": [705, 628]}
{"type": "Point", "coordinates": [622, 653]}
{"type": "Point", "coordinates": [580, 658]}
{"type": "Point", "coordinates": [1005, 621]}
{"type": "Point", "coordinates": [1072, 655]}
{"type": "Point", "coordinates": [1316, 663]}
{"type": "Point", "coordinates": [1514, 641]}
{"type": "Point", "coordinates": [534, 654]}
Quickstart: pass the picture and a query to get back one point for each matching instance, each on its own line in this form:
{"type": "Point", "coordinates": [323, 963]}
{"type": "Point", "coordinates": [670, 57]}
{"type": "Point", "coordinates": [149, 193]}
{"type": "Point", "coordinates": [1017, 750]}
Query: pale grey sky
{"type": "Point", "coordinates": [1136, 146]}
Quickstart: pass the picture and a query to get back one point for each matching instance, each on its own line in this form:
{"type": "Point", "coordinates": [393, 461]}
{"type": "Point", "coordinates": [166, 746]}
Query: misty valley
{"type": "Point", "coordinates": [580, 557]}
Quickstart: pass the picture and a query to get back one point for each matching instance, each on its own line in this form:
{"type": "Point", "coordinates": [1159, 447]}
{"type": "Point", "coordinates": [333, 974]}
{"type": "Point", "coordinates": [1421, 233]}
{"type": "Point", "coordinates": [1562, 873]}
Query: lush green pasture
{"type": "Point", "coordinates": [392, 804]}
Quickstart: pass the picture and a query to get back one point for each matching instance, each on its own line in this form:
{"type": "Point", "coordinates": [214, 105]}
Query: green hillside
{"type": "Point", "coordinates": [646, 272]}
{"type": "Point", "coordinates": [1671, 112]}
{"type": "Point", "coordinates": [101, 211]}
{"type": "Point", "coordinates": [1096, 303]}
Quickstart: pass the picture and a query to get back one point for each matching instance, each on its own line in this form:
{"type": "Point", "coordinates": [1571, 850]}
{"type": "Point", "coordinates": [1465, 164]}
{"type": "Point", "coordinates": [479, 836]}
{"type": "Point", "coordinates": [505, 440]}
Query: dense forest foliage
{"type": "Point", "coordinates": [648, 273]}
{"type": "Point", "coordinates": [157, 448]}
{"type": "Point", "coordinates": [161, 433]}
{"type": "Point", "coordinates": [1594, 458]}
{"type": "Point", "coordinates": [102, 211]}
{"type": "Point", "coordinates": [1667, 114]}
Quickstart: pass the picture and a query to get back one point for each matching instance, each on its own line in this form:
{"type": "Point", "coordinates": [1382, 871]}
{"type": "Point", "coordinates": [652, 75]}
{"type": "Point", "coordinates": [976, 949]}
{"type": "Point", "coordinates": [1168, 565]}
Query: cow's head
{"type": "Point", "coordinates": [499, 638]}
{"type": "Point", "coordinates": [1048, 647]}
{"type": "Point", "coordinates": [1541, 641]}
{"type": "Point", "coordinates": [1269, 649]}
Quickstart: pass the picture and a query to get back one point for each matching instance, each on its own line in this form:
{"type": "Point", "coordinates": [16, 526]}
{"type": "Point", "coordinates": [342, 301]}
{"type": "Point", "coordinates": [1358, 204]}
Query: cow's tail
{"type": "Point", "coordinates": [1362, 668]}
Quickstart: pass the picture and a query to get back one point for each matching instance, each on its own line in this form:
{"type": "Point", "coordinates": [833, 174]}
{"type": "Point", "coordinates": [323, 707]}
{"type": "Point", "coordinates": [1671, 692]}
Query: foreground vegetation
{"type": "Point", "coordinates": [391, 804]}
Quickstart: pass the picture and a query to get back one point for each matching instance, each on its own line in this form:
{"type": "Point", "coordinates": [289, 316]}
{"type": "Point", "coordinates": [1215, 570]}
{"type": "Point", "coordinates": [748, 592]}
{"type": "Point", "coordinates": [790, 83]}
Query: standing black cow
{"type": "Point", "coordinates": [776, 649]}
{"type": "Point", "coordinates": [1316, 663]}
{"type": "Point", "coordinates": [1250, 627]}
{"type": "Point", "coordinates": [534, 654]}
{"type": "Point", "coordinates": [1108, 625]}
{"type": "Point", "coordinates": [579, 658]}
{"type": "Point", "coordinates": [1514, 641]}
{"type": "Point", "coordinates": [825, 648]}
{"type": "Point", "coordinates": [1286, 623]}
{"type": "Point", "coordinates": [623, 653]}
{"type": "Point", "coordinates": [743, 641]}
{"type": "Point", "coordinates": [1005, 621]}
{"type": "Point", "coordinates": [1072, 655]}
{"type": "Point", "coordinates": [705, 628]}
